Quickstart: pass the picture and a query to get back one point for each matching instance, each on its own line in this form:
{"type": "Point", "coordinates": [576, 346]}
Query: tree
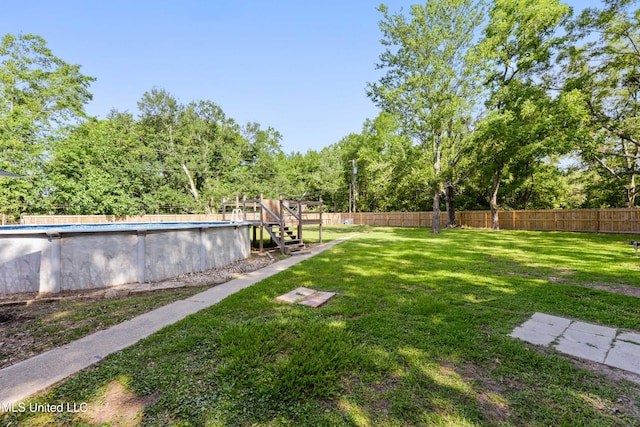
{"type": "Point", "coordinates": [102, 168]}
{"type": "Point", "coordinates": [328, 180]}
{"type": "Point", "coordinates": [199, 151]}
{"type": "Point", "coordinates": [210, 150]}
{"type": "Point", "coordinates": [430, 81]}
{"type": "Point", "coordinates": [39, 95]}
{"type": "Point", "coordinates": [384, 159]}
{"type": "Point", "coordinates": [605, 69]}
{"type": "Point", "coordinates": [263, 166]}
{"type": "Point", "coordinates": [173, 158]}
{"type": "Point", "coordinates": [519, 42]}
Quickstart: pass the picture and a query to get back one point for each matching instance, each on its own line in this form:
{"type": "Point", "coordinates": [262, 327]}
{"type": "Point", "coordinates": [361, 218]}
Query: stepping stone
{"type": "Point", "coordinates": [296, 295]}
{"type": "Point", "coordinates": [589, 328]}
{"type": "Point", "coordinates": [588, 341]}
{"type": "Point", "coordinates": [528, 333]}
{"type": "Point", "coordinates": [624, 355]}
{"type": "Point", "coordinates": [541, 329]}
{"type": "Point", "coordinates": [552, 321]}
{"type": "Point", "coordinates": [585, 340]}
{"type": "Point", "coordinates": [317, 299]}
{"type": "Point", "coordinates": [629, 336]}
{"type": "Point", "coordinates": [584, 344]}
{"type": "Point", "coordinates": [306, 296]}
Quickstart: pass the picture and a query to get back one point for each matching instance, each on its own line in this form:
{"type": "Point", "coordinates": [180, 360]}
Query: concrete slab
{"type": "Point", "coordinates": [317, 299]}
{"type": "Point", "coordinates": [296, 295]}
{"type": "Point", "coordinates": [541, 329]}
{"type": "Point", "coordinates": [576, 335]}
{"type": "Point", "coordinates": [533, 336]}
{"type": "Point", "coordinates": [306, 296]}
{"type": "Point", "coordinates": [624, 355]}
{"type": "Point", "coordinates": [590, 328]}
{"type": "Point", "coordinates": [554, 322]}
{"type": "Point", "coordinates": [584, 345]}
{"type": "Point", "coordinates": [582, 350]}
{"type": "Point", "coordinates": [19, 381]}
{"type": "Point", "coordinates": [629, 336]}
{"type": "Point", "coordinates": [588, 341]}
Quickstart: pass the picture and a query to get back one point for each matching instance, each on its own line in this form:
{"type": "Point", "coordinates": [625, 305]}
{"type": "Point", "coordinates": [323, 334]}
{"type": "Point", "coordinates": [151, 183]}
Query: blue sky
{"type": "Point", "coordinates": [298, 66]}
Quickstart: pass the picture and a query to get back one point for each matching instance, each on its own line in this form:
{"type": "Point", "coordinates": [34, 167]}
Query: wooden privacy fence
{"type": "Point", "coordinates": [585, 220]}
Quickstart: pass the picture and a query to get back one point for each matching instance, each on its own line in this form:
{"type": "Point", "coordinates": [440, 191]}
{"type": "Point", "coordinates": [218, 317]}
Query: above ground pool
{"type": "Point", "coordinates": [54, 258]}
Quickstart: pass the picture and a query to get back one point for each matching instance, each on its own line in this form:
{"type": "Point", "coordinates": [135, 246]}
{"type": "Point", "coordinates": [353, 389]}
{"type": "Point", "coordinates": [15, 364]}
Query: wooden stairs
{"type": "Point", "coordinates": [284, 237]}
{"type": "Point", "coordinates": [282, 219]}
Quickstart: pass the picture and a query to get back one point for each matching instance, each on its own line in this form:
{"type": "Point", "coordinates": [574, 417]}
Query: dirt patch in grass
{"type": "Point", "coordinates": [492, 395]}
{"type": "Point", "coordinates": [31, 324]}
{"type": "Point", "coordinates": [487, 392]}
{"type": "Point", "coordinates": [623, 404]}
{"type": "Point", "coordinates": [628, 290]}
{"type": "Point", "coordinates": [562, 277]}
{"type": "Point", "coordinates": [119, 407]}
{"type": "Point", "coordinates": [621, 289]}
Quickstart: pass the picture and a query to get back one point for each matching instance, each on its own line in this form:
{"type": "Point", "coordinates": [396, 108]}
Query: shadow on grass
{"type": "Point", "coordinates": [416, 335]}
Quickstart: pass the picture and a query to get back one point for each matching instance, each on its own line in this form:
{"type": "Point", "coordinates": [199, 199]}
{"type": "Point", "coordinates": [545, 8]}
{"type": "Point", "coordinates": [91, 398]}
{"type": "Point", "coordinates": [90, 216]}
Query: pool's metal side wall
{"type": "Point", "coordinates": [72, 261]}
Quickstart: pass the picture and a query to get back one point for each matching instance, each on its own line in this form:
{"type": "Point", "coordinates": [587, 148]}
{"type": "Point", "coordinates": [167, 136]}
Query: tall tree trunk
{"type": "Point", "coordinates": [192, 186]}
{"type": "Point", "coordinates": [493, 200]}
{"type": "Point", "coordinates": [435, 221]}
{"type": "Point", "coordinates": [451, 210]}
{"type": "Point", "coordinates": [632, 192]}
{"type": "Point", "coordinates": [631, 159]}
{"type": "Point", "coordinates": [437, 186]}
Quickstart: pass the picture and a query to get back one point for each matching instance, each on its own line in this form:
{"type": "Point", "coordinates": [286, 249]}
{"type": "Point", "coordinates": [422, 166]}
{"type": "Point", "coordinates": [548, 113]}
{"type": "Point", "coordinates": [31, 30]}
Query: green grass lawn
{"type": "Point", "coordinates": [416, 335]}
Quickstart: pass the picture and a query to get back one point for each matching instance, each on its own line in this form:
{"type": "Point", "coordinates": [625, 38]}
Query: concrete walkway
{"type": "Point", "coordinates": [19, 381]}
{"type": "Point", "coordinates": [585, 340]}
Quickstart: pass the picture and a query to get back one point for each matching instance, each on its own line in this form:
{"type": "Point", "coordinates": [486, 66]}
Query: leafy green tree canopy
{"type": "Point", "coordinates": [604, 67]}
{"type": "Point", "coordinates": [39, 95]}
